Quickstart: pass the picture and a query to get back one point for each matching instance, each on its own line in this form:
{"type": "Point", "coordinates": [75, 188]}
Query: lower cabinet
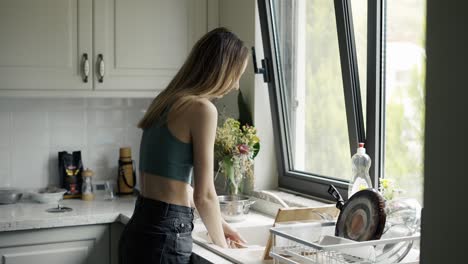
{"type": "Point", "coordinates": [72, 245]}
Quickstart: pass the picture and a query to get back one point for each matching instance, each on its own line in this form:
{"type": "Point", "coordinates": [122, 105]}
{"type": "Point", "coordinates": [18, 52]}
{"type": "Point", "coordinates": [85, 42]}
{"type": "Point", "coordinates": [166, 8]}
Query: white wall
{"type": "Point", "coordinates": [268, 170]}
{"type": "Point", "coordinates": [33, 131]}
{"type": "Point", "coordinates": [241, 16]}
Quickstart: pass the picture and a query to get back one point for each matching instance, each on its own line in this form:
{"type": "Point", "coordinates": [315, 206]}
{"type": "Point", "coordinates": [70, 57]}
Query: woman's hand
{"type": "Point", "coordinates": [233, 238]}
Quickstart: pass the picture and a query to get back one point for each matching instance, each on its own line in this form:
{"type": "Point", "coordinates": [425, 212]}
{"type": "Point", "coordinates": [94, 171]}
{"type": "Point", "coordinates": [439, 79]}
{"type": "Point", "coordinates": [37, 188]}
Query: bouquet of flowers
{"type": "Point", "coordinates": [236, 146]}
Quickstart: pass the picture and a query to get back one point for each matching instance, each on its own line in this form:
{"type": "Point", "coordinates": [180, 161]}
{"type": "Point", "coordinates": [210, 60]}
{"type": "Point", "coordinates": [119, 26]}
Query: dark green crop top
{"type": "Point", "coordinates": [163, 154]}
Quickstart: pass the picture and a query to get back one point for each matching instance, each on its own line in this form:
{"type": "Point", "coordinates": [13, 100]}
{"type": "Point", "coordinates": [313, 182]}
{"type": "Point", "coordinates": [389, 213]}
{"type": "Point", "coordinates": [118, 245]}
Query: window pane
{"type": "Point", "coordinates": [405, 91]}
{"type": "Point", "coordinates": [310, 64]}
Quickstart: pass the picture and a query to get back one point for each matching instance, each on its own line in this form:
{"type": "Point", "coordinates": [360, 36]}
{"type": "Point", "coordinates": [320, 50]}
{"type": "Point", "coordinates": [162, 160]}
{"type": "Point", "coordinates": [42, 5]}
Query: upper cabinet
{"type": "Point", "coordinates": [141, 44]}
{"type": "Point", "coordinates": [43, 43]}
{"type": "Point", "coordinates": [102, 47]}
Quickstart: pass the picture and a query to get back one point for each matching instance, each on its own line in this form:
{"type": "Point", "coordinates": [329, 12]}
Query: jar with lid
{"type": "Point", "coordinates": [87, 188]}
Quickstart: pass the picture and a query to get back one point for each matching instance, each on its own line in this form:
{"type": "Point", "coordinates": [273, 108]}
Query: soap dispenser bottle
{"type": "Point", "coordinates": [361, 163]}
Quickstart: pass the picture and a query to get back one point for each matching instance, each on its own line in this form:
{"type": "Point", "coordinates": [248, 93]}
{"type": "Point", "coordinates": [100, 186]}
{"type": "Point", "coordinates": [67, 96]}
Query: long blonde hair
{"type": "Point", "coordinates": [212, 67]}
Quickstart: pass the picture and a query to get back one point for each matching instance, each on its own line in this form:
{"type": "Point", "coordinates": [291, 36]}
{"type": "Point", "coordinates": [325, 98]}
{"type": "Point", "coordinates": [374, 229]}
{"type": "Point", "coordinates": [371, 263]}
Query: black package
{"type": "Point", "coordinates": [70, 169]}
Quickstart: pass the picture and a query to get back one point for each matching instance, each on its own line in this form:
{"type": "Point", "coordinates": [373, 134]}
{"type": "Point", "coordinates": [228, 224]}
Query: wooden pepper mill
{"type": "Point", "coordinates": [126, 173]}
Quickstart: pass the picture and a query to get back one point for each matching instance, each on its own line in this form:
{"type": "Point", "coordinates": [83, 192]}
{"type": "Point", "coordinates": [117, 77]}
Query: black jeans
{"type": "Point", "coordinates": [158, 232]}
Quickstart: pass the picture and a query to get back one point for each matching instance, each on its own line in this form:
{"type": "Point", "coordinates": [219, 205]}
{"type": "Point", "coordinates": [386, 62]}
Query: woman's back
{"type": "Point", "coordinates": [166, 156]}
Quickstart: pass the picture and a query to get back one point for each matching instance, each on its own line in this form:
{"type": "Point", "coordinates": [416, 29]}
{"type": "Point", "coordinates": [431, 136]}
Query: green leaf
{"type": "Point", "coordinates": [256, 149]}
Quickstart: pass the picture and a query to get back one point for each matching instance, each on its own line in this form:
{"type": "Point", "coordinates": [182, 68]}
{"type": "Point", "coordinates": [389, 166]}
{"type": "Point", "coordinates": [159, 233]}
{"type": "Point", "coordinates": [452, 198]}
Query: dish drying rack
{"type": "Point", "coordinates": [315, 243]}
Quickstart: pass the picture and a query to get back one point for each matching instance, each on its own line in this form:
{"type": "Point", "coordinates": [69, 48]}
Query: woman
{"type": "Point", "coordinates": [179, 130]}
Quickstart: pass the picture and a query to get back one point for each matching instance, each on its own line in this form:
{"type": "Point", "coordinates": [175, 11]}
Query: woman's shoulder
{"type": "Point", "coordinates": [202, 107]}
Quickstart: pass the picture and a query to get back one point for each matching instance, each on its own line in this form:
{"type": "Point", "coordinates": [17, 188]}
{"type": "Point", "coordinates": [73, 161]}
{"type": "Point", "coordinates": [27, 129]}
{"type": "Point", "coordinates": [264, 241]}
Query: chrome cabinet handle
{"type": "Point", "coordinates": [85, 67]}
{"type": "Point", "coordinates": [101, 68]}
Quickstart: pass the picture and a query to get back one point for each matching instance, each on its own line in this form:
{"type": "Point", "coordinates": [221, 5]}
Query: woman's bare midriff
{"type": "Point", "coordinates": [163, 189]}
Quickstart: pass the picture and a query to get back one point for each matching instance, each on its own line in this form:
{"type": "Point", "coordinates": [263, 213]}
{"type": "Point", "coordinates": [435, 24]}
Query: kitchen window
{"type": "Point", "coordinates": [342, 72]}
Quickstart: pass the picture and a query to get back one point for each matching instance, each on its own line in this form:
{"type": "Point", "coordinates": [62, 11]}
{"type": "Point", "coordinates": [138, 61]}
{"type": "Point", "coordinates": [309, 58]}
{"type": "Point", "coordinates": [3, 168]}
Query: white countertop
{"type": "Point", "coordinates": [29, 215]}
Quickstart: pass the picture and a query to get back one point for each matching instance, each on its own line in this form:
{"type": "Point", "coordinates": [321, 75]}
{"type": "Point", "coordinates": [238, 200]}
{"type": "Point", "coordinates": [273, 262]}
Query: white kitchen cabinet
{"type": "Point", "coordinates": [143, 43]}
{"type": "Point", "coordinates": [133, 47]}
{"type": "Point", "coordinates": [71, 245]}
{"type": "Point", "coordinates": [43, 44]}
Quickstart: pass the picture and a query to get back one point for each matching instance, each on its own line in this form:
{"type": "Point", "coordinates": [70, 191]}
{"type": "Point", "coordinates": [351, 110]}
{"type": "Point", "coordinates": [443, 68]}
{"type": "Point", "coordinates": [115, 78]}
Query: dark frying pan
{"type": "Point", "coordinates": [362, 217]}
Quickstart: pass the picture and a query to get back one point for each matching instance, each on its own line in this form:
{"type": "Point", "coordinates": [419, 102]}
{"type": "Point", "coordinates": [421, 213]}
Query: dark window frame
{"type": "Point", "coordinates": [314, 184]}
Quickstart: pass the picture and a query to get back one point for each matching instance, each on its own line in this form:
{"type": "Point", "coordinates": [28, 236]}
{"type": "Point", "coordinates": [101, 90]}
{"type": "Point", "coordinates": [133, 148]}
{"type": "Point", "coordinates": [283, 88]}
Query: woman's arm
{"type": "Point", "coordinates": [229, 231]}
{"type": "Point", "coordinates": [203, 130]}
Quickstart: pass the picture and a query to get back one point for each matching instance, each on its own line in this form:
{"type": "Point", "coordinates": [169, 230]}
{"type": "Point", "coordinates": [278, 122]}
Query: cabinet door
{"type": "Point", "coordinates": [71, 245]}
{"type": "Point", "coordinates": [143, 43]}
{"type": "Point", "coordinates": [69, 252]}
{"type": "Point", "coordinates": [43, 42]}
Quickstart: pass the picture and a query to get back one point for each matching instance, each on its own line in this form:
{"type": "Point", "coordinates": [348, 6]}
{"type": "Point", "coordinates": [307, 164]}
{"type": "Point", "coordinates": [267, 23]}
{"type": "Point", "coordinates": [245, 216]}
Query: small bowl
{"type": "Point", "coordinates": [48, 195]}
{"type": "Point", "coordinates": [10, 195]}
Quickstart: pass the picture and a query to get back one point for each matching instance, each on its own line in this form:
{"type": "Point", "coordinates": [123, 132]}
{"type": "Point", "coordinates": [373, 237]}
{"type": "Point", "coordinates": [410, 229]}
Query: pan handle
{"type": "Point", "coordinates": [336, 194]}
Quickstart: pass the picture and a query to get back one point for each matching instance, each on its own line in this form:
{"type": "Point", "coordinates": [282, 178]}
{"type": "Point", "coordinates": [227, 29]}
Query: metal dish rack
{"type": "Point", "coordinates": [315, 243]}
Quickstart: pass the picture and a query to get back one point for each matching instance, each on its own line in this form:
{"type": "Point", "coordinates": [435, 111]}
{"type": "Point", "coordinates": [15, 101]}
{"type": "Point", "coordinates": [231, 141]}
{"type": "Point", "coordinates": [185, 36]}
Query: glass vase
{"type": "Point", "coordinates": [234, 172]}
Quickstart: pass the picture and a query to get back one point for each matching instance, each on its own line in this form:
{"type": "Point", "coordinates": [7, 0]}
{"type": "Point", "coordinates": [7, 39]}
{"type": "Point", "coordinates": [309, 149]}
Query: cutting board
{"type": "Point", "coordinates": [300, 214]}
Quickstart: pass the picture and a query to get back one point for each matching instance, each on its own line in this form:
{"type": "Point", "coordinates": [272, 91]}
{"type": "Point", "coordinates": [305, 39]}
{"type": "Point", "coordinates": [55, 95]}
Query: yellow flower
{"type": "Point", "coordinates": [385, 183]}
{"type": "Point", "coordinates": [230, 135]}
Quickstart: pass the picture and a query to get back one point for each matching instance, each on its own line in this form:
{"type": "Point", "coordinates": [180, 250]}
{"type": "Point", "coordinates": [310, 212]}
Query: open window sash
{"type": "Point", "coordinates": [282, 96]}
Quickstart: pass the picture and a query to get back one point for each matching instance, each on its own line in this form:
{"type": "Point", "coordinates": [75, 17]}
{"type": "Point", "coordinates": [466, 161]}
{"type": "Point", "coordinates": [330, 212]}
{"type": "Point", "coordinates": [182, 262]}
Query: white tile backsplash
{"type": "Point", "coordinates": [104, 157]}
{"type": "Point", "coordinates": [134, 116]}
{"type": "Point", "coordinates": [133, 135]}
{"type": "Point", "coordinates": [67, 137]}
{"type": "Point", "coordinates": [30, 167]}
{"type": "Point", "coordinates": [5, 174]}
{"type": "Point", "coordinates": [30, 137]}
{"type": "Point", "coordinates": [104, 174]}
{"type": "Point", "coordinates": [4, 160]}
{"type": "Point", "coordinates": [107, 118]}
{"type": "Point", "coordinates": [29, 120]}
{"type": "Point", "coordinates": [74, 118]}
{"type": "Point", "coordinates": [105, 136]}
{"type": "Point", "coordinates": [5, 179]}
{"type": "Point", "coordinates": [5, 125]}
{"type": "Point", "coordinates": [33, 131]}
{"type": "Point", "coordinates": [108, 103]}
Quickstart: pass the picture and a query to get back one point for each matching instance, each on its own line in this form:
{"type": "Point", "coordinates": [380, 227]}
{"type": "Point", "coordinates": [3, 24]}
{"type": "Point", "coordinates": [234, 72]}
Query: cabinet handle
{"type": "Point", "coordinates": [101, 68]}
{"type": "Point", "coordinates": [85, 67]}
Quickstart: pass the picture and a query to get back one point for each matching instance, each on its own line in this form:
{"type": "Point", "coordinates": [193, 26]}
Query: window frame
{"type": "Point", "coordinates": [314, 184]}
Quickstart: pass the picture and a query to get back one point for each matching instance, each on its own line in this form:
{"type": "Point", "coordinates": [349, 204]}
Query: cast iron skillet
{"type": "Point", "coordinates": [362, 217]}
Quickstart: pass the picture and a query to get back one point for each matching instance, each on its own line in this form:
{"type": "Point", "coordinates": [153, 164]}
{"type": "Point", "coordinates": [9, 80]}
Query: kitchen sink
{"type": "Point", "coordinates": [256, 237]}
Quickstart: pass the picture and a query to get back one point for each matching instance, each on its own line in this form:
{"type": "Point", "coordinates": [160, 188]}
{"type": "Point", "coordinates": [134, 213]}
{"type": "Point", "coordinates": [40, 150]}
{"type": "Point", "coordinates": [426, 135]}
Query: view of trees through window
{"type": "Point", "coordinates": [311, 68]}
{"type": "Point", "coordinates": [310, 64]}
{"type": "Point", "coordinates": [405, 93]}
